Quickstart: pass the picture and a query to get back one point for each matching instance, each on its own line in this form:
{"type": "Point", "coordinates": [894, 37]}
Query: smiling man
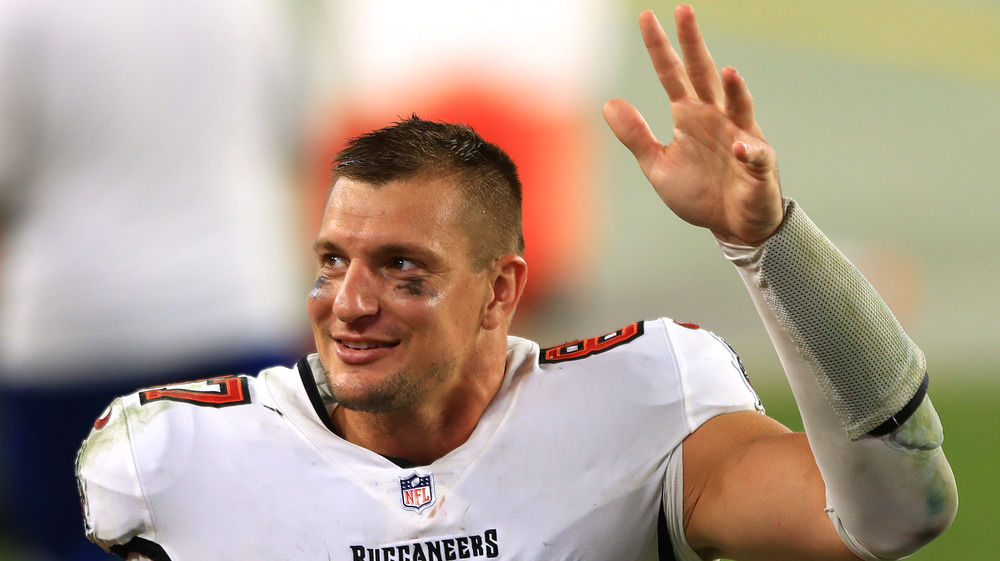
{"type": "Point", "coordinates": [415, 287]}
{"type": "Point", "coordinates": [421, 430]}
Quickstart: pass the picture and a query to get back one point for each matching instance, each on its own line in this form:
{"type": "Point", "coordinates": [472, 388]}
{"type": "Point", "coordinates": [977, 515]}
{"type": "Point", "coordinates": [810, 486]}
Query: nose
{"type": "Point", "coordinates": [357, 295]}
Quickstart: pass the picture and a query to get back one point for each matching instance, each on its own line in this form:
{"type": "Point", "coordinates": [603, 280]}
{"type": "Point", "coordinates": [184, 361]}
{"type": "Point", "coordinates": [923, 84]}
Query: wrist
{"type": "Point", "coordinates": [765, 233]}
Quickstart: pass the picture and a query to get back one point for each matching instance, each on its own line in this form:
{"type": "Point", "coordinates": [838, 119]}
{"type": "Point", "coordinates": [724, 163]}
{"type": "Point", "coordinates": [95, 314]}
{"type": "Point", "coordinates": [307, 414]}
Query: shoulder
{"type": "Point", "coordinates": [680, 361]}
{"type": "Point", "coordinates": [164, 420]}
{"type": "Point", "coordinates": [667, 342]}
{"type": "Point", "coordinates": [140, 439]}
{"type": "Point", "coordinates": [712, 375]}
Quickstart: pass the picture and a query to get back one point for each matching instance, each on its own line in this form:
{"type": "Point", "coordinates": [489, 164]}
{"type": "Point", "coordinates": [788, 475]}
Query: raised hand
{"type": "Point", "coordinates": [718, 172]}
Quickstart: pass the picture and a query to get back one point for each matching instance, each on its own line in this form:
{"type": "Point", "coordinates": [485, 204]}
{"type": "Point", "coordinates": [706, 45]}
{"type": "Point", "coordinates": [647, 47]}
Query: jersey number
{"type": "Point", "coordinates": [227, 391]}
{"type": "Point", "coordinates": [587, 347]}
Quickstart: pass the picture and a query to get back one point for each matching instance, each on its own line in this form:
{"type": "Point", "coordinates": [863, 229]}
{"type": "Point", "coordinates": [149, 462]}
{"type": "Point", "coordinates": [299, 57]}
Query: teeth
{"type": "Point", "coordinates": [360, 346]}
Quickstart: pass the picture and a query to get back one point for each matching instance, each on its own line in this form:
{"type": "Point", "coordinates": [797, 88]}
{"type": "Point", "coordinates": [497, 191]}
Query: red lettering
{"type": "Point", "coordinates": [586, 347]}
{"type": "Point", "coordinates": [227, 391]}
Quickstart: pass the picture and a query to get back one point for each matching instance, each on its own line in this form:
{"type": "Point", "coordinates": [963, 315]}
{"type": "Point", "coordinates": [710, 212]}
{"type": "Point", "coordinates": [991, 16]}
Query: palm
{"type": "Point", "coordinates": [717, 172]}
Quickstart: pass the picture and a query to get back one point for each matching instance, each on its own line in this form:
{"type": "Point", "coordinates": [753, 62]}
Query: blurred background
{"type": "Point", "coordinates": [885, 115]}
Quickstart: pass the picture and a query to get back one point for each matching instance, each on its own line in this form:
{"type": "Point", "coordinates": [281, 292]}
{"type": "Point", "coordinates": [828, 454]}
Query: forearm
{"type": "Point", "coordinates": [853, 370]}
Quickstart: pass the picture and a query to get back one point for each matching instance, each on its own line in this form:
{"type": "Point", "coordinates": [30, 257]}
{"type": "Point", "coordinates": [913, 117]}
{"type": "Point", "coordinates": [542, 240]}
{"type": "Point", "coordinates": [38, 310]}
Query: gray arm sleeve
{"type": "Point", "coordinates": [859, 383]}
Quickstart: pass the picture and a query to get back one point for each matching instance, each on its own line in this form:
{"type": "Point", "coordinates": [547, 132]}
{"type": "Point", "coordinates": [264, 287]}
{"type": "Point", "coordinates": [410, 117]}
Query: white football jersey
{"type": "Point", "coordinates": [577, 457]}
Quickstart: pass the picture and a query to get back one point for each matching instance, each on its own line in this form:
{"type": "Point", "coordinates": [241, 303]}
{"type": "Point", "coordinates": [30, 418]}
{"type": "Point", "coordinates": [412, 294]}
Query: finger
{"type": "Point", "coordinates": [697, 60]}
{"type": "Point", "coordinates": [756, 155]}
{"type": "Point", "coordinates": [633, 131]}
{"type": "Point", "coordinates": [739, 102]}
{"type": "Point", "coordinates": [669, 67]}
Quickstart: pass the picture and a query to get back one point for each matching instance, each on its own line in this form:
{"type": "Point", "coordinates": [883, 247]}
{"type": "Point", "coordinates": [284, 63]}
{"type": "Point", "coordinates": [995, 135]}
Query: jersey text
{"type": "Point", "coordinates": [447, 549]}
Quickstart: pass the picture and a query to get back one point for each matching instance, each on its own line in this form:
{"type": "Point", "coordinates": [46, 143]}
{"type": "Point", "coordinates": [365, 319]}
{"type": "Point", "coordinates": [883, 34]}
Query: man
{"type": "Point", "coordinates": [420, 430]}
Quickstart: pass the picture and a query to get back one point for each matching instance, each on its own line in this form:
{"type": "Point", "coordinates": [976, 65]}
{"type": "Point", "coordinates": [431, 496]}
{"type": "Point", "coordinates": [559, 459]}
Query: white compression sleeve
{"type": "Point", "coordinates": [859, 383]}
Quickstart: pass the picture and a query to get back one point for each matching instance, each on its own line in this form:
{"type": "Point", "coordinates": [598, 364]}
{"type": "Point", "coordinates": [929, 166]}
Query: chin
{"type": "Point", "coordinates": [367, 393]}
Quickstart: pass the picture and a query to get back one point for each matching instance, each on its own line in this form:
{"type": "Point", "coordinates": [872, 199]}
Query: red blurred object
{"type": "Point", "coordinates": [550, 145]}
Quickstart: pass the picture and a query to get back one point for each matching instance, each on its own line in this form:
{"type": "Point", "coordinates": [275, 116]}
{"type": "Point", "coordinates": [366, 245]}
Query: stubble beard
{"type": "Point", "coordinates": [400, 391]}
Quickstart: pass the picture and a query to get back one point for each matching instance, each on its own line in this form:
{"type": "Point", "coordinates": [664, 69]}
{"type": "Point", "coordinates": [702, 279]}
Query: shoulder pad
{"type": "Point", "coordinates": [715, 380]}
{"type": "Point", "coordinates": [113, 507]}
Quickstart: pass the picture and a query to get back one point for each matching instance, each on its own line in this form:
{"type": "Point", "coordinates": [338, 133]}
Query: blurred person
{"type": "Point", "coordinates": [148, 231]}
{"type": "Point", "coordinates": [422, 430]}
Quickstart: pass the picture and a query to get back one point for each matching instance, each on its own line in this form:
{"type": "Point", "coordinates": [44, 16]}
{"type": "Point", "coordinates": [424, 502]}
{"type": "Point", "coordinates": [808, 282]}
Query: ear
{"type": "Point", "coordinates": [508, 275]}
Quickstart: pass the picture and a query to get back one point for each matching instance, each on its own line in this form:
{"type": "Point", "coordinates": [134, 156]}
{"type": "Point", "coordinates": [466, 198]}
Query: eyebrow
{"type": "Point", "coordinates": [322, 246]}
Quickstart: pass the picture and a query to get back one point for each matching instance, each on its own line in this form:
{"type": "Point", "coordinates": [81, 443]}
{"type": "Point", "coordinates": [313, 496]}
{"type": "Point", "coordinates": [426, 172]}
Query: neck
{"type": "Point", "coordinates": [434, 427]}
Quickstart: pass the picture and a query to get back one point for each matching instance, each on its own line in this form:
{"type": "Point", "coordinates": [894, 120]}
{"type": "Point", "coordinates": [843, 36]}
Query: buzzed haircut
{"type": "Point", "coordinates": [484, 173]}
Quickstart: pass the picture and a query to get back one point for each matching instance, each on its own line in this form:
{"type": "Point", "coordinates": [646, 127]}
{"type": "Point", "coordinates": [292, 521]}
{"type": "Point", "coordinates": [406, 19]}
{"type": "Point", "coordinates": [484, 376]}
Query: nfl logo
{"type": "Point", "coordinates": [417, 491]}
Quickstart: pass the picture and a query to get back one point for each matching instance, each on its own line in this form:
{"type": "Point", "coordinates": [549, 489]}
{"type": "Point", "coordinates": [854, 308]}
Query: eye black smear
{"type": "Point", "coordinates": [414, 287]}
{"type": "Point", "coordinates": [320, 283]}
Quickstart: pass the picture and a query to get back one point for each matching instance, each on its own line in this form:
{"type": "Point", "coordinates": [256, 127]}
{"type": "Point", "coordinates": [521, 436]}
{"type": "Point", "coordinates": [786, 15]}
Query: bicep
{"type": "Point", "coordinates": [752, 491]}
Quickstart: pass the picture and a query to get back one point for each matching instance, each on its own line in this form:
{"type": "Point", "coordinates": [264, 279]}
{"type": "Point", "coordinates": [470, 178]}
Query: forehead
{"type": "Point", "coordinates": [424, 210]}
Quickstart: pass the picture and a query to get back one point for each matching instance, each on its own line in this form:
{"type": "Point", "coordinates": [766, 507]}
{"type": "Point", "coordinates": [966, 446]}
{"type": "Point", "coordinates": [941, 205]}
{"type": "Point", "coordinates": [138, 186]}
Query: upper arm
{"type": "Point", "coordinates": [752, 491]}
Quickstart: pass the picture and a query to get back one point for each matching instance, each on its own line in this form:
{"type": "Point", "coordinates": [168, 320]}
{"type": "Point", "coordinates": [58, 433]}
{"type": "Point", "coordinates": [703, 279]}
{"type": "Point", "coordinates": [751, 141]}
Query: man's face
{"type": "Point", "coordinates": [397, 309]}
